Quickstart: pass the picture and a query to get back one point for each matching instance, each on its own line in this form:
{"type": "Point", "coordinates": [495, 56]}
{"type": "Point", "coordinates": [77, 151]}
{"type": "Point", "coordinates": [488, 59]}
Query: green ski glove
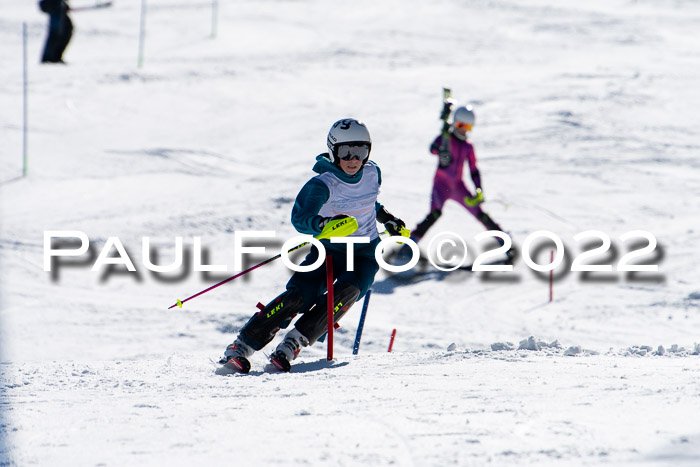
{"type": "Point", "coordinates": [476, 200]}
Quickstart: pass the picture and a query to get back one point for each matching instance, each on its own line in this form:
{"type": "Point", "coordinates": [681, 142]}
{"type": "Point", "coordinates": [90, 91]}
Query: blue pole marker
{"type": "Point", "coordinates": [24, 99]}
{"type": "Point", "coordinates": [365, 305]}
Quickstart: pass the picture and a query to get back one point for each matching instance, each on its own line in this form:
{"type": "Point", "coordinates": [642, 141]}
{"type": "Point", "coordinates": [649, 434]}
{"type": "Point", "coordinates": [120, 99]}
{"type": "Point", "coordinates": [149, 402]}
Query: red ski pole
{"type": "Point", "coordinates": [180, 302]}
{"type": "Point", "coordinates": [339, 228]}
{"type": "Point", "coordinates": [331, 305]}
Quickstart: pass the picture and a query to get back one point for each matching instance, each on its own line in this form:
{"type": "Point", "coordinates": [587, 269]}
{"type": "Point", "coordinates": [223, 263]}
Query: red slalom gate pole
{"type": "Point", "coordinates": [391, 342]}
{"type": "Point", "coordinates": [329, 287]}
{"type": "Point", "coordinates": [551, 279]}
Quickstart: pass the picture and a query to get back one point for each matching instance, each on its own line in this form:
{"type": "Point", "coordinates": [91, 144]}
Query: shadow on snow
{"type": "Point", "coordinates": [302, 367]}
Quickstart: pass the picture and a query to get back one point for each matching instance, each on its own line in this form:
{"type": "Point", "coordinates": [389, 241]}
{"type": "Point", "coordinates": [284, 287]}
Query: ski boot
{"type": "Point", "coordinates": [288, 350]}
{"type": "Point", "coordinates": [236, 355]}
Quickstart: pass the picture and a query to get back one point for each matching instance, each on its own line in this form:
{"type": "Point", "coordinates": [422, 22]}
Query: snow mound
{"type": "Point", "coordinates": [555, 348]}
{"type": "Point", "coordinates": [502, 346]}
{"type": "Point", "coordinates": [534, 344]}
{"type": "Point", "coordinates": [673, 350]}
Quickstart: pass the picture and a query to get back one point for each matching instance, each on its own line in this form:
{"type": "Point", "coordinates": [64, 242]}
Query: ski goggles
{"type": "Point", "coordinates": [349, 152]}
{"type": "Point", "coordinates": [464, 126]}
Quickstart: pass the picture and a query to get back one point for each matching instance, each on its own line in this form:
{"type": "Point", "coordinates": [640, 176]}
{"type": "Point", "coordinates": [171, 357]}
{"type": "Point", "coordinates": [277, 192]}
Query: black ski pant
{"type": "Point", "coordinates": [60, 32]}
{"type": "Point", "coordinates": [306, 294]}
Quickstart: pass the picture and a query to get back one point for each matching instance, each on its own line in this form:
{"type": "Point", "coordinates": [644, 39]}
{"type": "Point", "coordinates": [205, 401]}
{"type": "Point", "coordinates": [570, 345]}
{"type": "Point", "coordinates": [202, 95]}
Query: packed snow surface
{"type": "Point", "coordinates": [587, 119]}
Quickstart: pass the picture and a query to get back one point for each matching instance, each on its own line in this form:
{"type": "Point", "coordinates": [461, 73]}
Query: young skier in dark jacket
{"type": "Point", "coordinates": [346, 187]}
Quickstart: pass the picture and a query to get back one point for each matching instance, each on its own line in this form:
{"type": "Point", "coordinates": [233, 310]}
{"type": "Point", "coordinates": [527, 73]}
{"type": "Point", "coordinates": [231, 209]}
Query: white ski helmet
{"type": "Point", "coordinates": [347, 131]}
{"type": "Point", "coordinates": [465, 116]}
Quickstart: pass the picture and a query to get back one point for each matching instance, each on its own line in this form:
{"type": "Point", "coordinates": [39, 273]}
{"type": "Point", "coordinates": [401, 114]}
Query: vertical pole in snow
{"type": "Point", "coordinates": [358, 336]}
{"type": "Point", "coordinates": [391, 342]}
{"type": "Point", "coordinates": [24, 99]}
{"type": "Point", "coordinates": [214, 16]}
{"type": "Point", "coordinates": [551, 279]}
{"type": "Point", "coordinates": [329, 287]}
{"type": "Point", "coordinates": [142, 33]}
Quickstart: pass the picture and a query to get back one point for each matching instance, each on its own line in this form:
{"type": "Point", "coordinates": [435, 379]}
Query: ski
{"type": "Point", "coordinates": [233, 365]}
{"type": "Point", "coordinates": [91, 7]}
{"type": "Point", "coordinates": [279, 360]}
{"type": "Point", "coordinates": [447, 106]}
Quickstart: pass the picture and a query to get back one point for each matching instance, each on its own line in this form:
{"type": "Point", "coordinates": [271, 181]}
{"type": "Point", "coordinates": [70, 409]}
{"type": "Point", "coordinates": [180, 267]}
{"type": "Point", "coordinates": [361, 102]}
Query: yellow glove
{"type": "Point", "coordinates": [397, 227]}
{"type": "Point", "coordinates": [476, 200]}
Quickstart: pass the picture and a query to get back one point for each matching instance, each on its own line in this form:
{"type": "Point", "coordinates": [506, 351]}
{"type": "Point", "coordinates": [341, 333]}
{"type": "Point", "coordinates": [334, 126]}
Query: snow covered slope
{"type": "Point", "coordinates": [586, 119]}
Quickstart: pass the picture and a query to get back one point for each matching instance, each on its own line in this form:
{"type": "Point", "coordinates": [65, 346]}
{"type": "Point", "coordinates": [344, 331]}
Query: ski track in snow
{"type": "Point", "coordinates": [437, 408]}
{"type": "Point", "coordinates": [586, 119]}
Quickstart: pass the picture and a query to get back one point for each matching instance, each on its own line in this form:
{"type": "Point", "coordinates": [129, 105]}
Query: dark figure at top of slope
{"type": "Point", "coordinates": [60, 30]}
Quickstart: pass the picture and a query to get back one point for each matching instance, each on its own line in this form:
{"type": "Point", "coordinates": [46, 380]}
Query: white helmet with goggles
{"type": "Point", "coordinates": [464, 118]}
{"type": "Point", "coordinates": [349, 139]}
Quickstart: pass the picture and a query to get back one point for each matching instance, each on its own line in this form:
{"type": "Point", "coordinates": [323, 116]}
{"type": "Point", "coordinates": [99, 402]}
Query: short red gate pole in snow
{"type": "Point", "coordinates": [329, 287]}
{"type": "Point", "coordinates": [391, 342]}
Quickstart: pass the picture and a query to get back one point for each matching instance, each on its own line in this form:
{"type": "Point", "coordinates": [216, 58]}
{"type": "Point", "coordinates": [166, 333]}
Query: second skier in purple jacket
{"type": "Point", "coordinates": [449, 183]}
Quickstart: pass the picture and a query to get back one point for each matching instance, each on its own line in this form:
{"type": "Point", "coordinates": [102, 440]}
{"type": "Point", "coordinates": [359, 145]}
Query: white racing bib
{"type": "Point", "coordinates": [355, 200]}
